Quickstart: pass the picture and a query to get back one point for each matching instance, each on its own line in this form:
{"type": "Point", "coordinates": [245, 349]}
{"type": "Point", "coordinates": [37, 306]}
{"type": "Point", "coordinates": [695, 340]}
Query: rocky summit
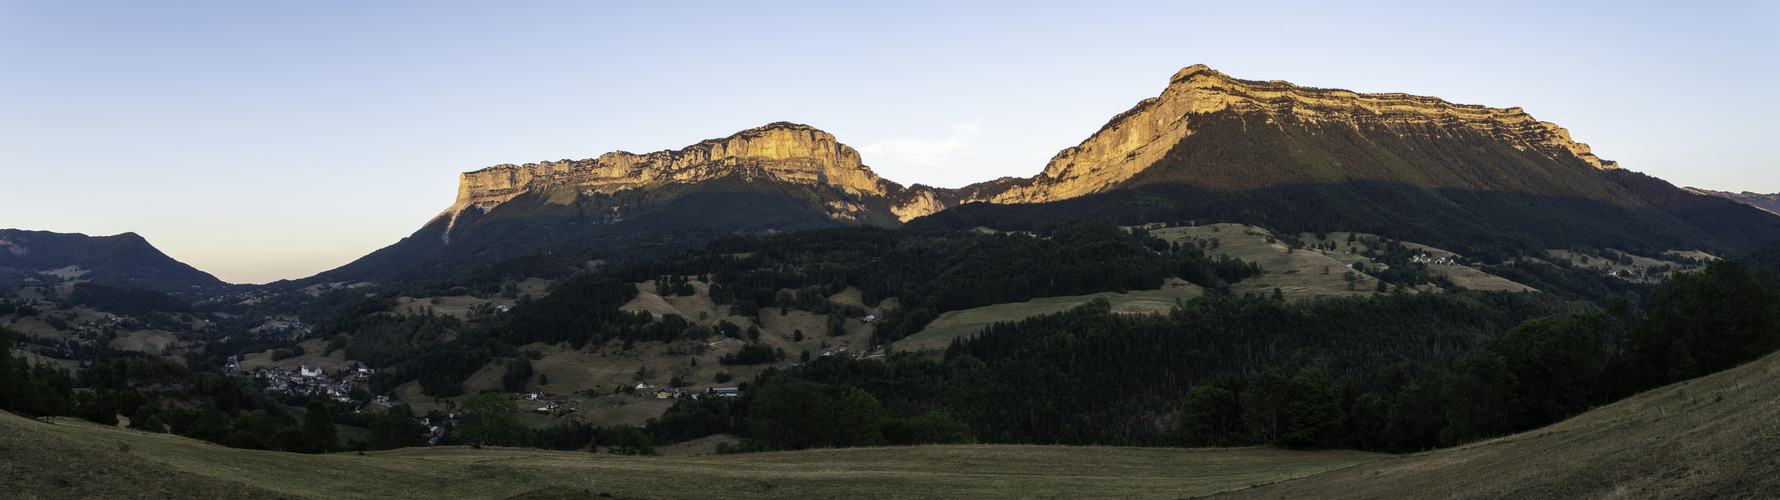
{"type": "Point", "coordinates": [780, 152]}
{"type": "Point", "coordinates": [1139, 138]}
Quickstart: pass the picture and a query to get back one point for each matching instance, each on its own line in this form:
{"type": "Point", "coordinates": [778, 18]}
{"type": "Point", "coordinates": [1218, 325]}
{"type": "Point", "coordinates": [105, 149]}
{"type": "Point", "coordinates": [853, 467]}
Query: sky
{"type": "Point", "coordinates": [274, 140]}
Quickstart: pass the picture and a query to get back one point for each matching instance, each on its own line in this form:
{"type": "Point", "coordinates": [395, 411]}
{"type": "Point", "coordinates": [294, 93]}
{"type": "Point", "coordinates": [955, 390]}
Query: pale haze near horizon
{"type": "Point", "coordinates": [261, 141]}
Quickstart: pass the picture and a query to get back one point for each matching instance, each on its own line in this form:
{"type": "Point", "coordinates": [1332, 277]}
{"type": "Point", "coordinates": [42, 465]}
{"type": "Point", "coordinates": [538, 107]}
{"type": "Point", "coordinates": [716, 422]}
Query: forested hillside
{"type": "Point", "coordinates": [1395, 372]}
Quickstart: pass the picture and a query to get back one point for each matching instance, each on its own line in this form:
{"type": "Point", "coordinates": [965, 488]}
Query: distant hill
{"type": "Point", "coordinates": [125, 260]}
{"type": "Point", "coordinates": [1769, 202]}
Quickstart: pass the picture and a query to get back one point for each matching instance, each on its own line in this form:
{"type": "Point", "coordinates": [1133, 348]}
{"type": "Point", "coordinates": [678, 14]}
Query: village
{"type": "Point", "coordinates": [308, 380]}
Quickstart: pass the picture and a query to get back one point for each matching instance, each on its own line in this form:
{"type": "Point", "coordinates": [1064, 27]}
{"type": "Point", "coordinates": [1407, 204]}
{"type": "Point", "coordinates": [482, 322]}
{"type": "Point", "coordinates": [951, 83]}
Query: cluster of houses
{"type": "Point", "coordinates": [644, 388]}
{"type": "Point", "coordinates": [1423, 258]}
{"type": "Point", "coordinates": [550, 407]}
{"type": "Point", "coordinates": [307, 380]}
{"type": "Point", "coordinates": [714, 392]}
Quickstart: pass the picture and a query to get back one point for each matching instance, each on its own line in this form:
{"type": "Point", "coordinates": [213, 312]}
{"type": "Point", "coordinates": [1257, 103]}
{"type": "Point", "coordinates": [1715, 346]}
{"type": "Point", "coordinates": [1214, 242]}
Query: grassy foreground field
{"type": "Point", "coordinates": [65, 458]}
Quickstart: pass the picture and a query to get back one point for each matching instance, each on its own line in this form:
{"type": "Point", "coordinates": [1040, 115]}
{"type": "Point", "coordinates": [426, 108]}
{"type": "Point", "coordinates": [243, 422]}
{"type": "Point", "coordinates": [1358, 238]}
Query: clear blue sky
{"type": "Point", "coordinates": [268, 140]}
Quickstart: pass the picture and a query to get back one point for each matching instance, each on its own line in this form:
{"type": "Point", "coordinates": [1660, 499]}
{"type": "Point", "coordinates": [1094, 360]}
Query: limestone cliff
{"type": "Point", "coordinates": [1136, 139]}
{"type": "Point", "coordinates": [783, 152]}
{"type": "Point", "coordinates": [1128, 144]}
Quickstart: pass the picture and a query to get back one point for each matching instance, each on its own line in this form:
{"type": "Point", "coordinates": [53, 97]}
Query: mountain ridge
{"type": "Point", "coordinates": [1128, 144]}
{"type": "Point", "coordinates": [1274, 153]}
{"type": "Point", "coordinates": [1767, 202]}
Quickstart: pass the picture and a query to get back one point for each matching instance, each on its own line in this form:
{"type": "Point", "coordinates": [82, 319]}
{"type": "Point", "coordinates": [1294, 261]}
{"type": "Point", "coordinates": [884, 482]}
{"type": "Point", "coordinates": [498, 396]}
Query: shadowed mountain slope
{"type": "Point", "coordinates": [124, 260]}
{"type": "Point", "coordinates": [1769, 202]}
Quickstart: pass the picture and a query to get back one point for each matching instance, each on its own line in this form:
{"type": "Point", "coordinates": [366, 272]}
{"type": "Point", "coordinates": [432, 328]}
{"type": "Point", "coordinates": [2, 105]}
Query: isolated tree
{"type": "Point", "coordinates": [836, 325]}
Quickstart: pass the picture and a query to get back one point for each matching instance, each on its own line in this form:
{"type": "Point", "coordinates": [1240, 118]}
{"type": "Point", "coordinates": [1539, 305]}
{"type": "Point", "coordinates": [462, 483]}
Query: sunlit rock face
{"type": "Point", "coordinates": [1137, 138]}
{"type": "Point", "coordinates": [1128, 144]}
{"type": "Point", "coordinates": [778, 152]}
{"type": "Point", "coordinates": [782, 151]}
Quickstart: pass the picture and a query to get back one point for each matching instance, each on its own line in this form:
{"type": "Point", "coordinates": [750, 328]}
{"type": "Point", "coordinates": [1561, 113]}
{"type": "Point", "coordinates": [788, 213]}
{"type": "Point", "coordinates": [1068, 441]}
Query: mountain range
{"type": "Point", "coordinates": [1209, 147]}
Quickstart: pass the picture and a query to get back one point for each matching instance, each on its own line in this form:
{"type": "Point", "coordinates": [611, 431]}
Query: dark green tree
{"type": "Point", "coordinates": [861, 419]}
{"type": "Point", "coordinates": [1209, 416]}
{"type": "Point", "coordinates": [319, 433]}
{"type": "Point", "coordinates": [396, 429]}
{"type": "Point", "coordinates": [1312, 411]}
{"type": "Point", "coordinates": [625, 439]}
{"type": "Point", "coordinates": [792, 414]}
{"type": "Point", "coordinates": [490, 418]}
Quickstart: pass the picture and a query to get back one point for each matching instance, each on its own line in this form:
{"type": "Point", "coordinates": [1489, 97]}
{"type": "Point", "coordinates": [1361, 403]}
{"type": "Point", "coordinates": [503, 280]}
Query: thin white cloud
{"type": "Point", "coordinates": [926, 152]}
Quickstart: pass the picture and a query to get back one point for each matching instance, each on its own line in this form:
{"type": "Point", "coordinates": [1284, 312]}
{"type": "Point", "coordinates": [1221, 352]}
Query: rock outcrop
{"type": "Point", "coordinates": [1126, 145]}
{"type": "Point", "coordinates": [783, 152]}
{"type": "Point", "coordinates": [786, 151]}
{"type": "Point", "coordinates": [1136, 139]}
